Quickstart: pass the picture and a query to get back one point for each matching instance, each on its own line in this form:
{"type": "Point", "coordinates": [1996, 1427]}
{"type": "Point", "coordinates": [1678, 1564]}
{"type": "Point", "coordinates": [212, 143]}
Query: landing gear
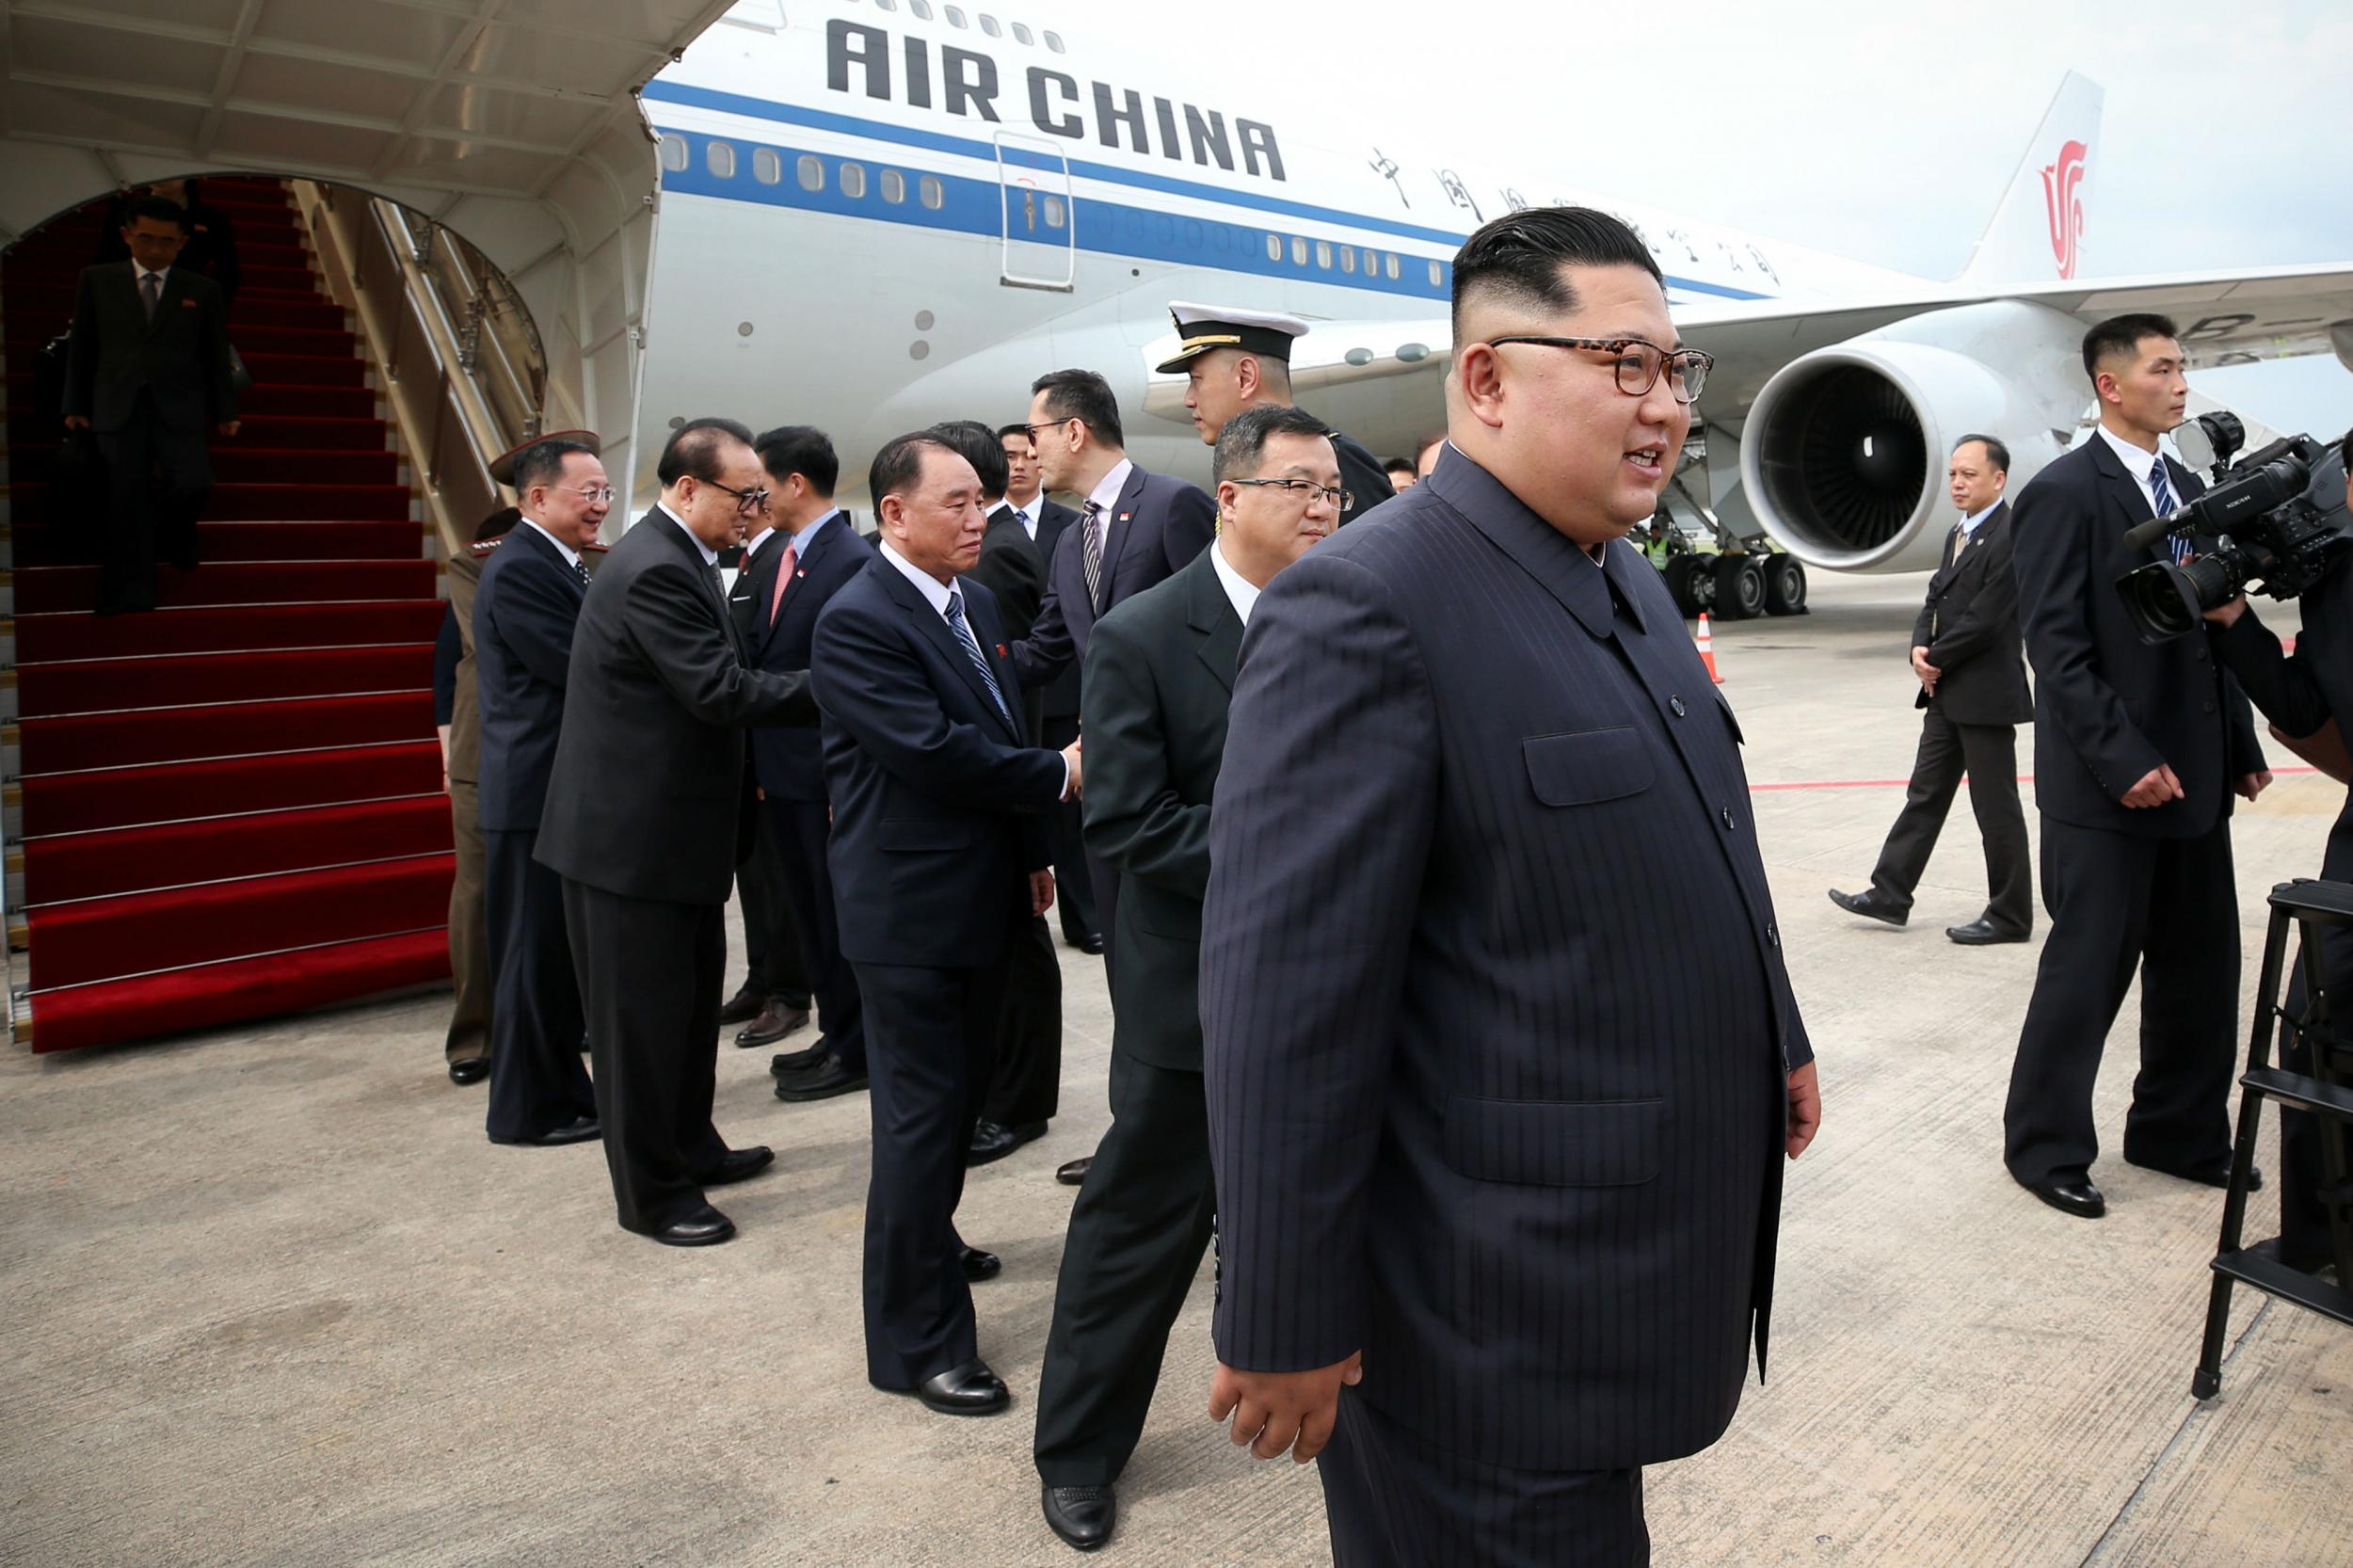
{"type": "Point", "coordinates": [1784, 585]}
{"type": "Point", "coordinates": [1740, 581]}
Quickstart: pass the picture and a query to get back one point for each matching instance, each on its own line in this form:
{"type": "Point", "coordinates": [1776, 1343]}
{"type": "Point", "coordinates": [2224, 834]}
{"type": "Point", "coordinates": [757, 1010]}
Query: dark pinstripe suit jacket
{"type": "Point", "coordinates": [1488, 954]}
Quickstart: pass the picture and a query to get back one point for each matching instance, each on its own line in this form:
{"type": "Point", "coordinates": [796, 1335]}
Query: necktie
{"type": "Point", "coordinates": [972, 652]}
{"type": "Point", "coordinates": [580, 569]}
{"type": "Point", "coordinates": [784, 580]}
{"type": "Point", "coordinates": [151, 293]}
{"type": "Point", "coordinates": [1023, 518]}
{"type": "Point", "coordinates": [2161, 496]}
{"type": "Point", "coordinates": [1091, 535]}
{"type": "Point", "coordinates": [1953, 546]}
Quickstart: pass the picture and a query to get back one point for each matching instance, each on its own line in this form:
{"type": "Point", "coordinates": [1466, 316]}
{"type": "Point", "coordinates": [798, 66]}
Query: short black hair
{"type": "Point", "coordinates": [1520, 256]}
{"type": "Point", "coordinates": [162, 208]}
{"type": "Point", "coordinates": [2121, 335]}
{"type": "Point", "coordinates": [802, 449]}
{"type": "Point", "coordinates": [978, 445]}
{"type": "Point", "coordinates": [693, 449]}
{"type": "Point", "coordinates": [1396, 465]}
{"type": "Point", "coordinates": [1243, 443]}
{"type": "Point", "coordinates": [1082, 394]}
{"type": "Point", "coordinates": [1019, 429]}
{"type": "Point", "coordinates": [900, 463]}
{"type": "Point", "coordinates": [1994, 449]}
{"type": "Point", "coordinates": [542, 463]}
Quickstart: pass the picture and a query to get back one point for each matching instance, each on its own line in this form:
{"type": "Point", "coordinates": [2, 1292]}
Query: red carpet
{"type": "Point", "coordinates": [230, 807]}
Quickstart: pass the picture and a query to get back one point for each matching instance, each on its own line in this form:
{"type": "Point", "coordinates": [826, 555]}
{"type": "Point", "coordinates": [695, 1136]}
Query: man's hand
{"type": "Point", "coordinates": [1275, 1410]}
{"type": "Point", "coordinates": [1041, 892]}
{"type": "Point", "coordinates": [2226, 615]}
{"type": "Point", "coordinates": [442, 732]}
{"type": "Point", "coordinates": [1070, 755]}
{"type": "Point", "coordinates": [1930, 674]}
{"type": "Point", "coordinates": [227, 426]}
{"type": "Point", "coordinates": [2252, 784]}
{"type": "Point", "coordinates": [1805, 1109]}
{"type": "Point", "coordinates": [77, 421]}
{"type": "Point", "coordinates": [2159, 787]}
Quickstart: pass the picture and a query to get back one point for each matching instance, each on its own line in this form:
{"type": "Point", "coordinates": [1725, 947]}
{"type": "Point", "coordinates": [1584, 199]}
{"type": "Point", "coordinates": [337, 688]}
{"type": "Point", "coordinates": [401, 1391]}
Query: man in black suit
{"type": "Point", "coordinates": [1135, 529]}
{"type": "Point", "coordinates": [1971, 663]}
{"type": "Point", "coordinates": [1159, 674]}
{"type": "Point", "coordinates": [524, 610]}
{"type": "Point", "coordinates": [642, 818]}
{"type": "Point", "coordinates": [1498, 1191]}
{"type": "Point", "coordinates": [814, 554]}
{"type": "Point", "coordinates": [147, 370]}
{"type": "Point", "coordinates": [939, 862]}
{"type": "Point", "coordinates": [1055, 705]}
{"type": "Point", "coordinates": [1233, 359]}
{"type": "Point", "coordinates": [2138, 752]}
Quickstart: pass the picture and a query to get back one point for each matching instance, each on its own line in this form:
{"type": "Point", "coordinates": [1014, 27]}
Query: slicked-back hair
{"type": "Point", "coordinates": [1015, 430]}
{"type": "Point", "coordinates": [1082, 394]}
{"type": "Point", "coordinates": [979, 446]}
{"type": "Point", "coordinates": [1519, 257]}
{"type": "Point", "coordinates": [1996, 451]}
{"type": "Point", "coordinates": [693, 449]}
{"type": "Point", "coordinates": [900, 464]}
{"type": "Point", "coordinates": [802, 449]}
{"type": "Point", "coordinates": [1243, 443]}
{"type": "Point", "coordinates": [542, 463]}
{"type": "Point", "coordinates": [2121, 335]}
{"type": "Point", "coordinates": [162, 208]}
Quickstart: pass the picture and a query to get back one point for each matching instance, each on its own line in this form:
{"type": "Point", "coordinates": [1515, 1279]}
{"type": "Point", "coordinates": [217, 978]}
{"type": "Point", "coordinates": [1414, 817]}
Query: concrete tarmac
{"type": "Point", "coordinates": [272, 1298]}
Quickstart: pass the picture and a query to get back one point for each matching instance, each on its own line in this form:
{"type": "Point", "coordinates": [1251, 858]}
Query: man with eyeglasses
{"type": "Point", "coordinates": [524, 611]}
{"type": "Point", "coordinates": [1158, 681]}
{"type": "Point", "coordinates": [1233, 359]}
{"type": "Point", "coordinates": [1135, 528]}
{"type": "Point", "coordinates": [644, 806]}
{"type": "Point", "coordinates": [1497, 1193]}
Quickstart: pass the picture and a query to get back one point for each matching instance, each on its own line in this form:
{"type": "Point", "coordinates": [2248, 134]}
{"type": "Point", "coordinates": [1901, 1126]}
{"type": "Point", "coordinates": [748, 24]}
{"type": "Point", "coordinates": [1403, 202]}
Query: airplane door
{"type": "Point", "coordinates": [1040, 221]}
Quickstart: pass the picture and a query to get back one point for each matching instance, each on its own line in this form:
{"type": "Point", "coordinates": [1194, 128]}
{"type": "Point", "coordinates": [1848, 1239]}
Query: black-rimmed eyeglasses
{"type": "Point", "coordinates": [1639, 363]}
{"type": "Point", "coordinates": [746, 502]}
{"type": "Point", "coordinates": [1308, 490]}
{"type": "Point", "coordinates": [1050, 424]}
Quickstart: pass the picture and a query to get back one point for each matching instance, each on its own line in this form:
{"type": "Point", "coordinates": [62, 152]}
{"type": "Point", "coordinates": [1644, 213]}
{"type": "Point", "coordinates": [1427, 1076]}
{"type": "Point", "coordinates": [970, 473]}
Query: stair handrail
{"type": "Point", "coordinates": [498, 343]}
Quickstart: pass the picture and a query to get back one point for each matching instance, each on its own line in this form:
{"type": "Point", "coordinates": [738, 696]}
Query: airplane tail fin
{"type": "Point", "coordinates": [2037, 233]}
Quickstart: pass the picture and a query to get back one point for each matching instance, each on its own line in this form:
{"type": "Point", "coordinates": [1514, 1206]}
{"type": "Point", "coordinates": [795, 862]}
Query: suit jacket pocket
{"type": "Point", "coordinates": [1556, 1142]}
{"type": "Point", "coordinates": [917, 835]}
{"type": "Point", "coordinates": [1587, 766]}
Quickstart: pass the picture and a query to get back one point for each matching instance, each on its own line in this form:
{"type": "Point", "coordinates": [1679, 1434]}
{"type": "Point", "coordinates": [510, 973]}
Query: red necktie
{"type": "Point", "coordinates": [784, 580]}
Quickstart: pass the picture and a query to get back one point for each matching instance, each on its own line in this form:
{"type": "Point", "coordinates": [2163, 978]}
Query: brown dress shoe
{"type": "Point", "coordinates": [776, 1021]}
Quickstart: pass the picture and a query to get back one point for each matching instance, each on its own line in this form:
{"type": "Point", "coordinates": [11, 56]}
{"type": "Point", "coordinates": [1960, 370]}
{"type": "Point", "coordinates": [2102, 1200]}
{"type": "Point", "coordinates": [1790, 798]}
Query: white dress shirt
{"type": "Point", "coordinates": [1026, 517]}
{"type": "Point", "coordinates": [1969, 524]}
{"type": "Point", "coordinates": [571, 557]}
{"type": "Point", "coordinates": [140, 276]}
{"type": "Point", "coordinates": [937, 595]}
{"type": "Point", "coordinates": [1106, 494]}
{"type": "Point", "coordinates": [711, 556]}
{"type": "Point", "coordinates": [1240, 590]}
{"type": "Point", "coordinates": [2138, 464]}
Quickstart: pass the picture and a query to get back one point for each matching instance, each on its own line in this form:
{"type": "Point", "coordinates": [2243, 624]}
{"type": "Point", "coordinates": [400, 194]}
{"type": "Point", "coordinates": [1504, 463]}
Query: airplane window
{"type": "Point", "coordinates": [894, 186]}
{"type": "Point", "coordinates": [1021, 34]}
{"type": "Point", "coordinates": [1436, 277]}
{"type": "Point", "coordinates": [673, 152]}
{"type": "Point", "coordinates": [853, 180]}
{"type": "Point", "coordinates": [1299, 251]}
{"type": "Point", "coordinates": [1053, 212]}
{"type": "Point", "coordinates": [1323, 254]}
{"type": "Point", "coordinates": [928, 190]}
{"type": "Point", "coordinates": [719, 157]}
{"type": "Point", "coordinates": [811, 171]}
{"type": "Point", "coordinates": [1053, 41]}
{"type": "Point", "coordinates": [955, 16]}
{"type": "Point", "coordinates": [1372, 261]}
{"type": "Point", "coordinates": [1274, 248]}
{"type": "Point", "coordinates": [766, 167]}
{"type": "Point", "coordinates": [1193, 233]}
{"type": "Point", "coordinates": [922, 10]}
{"type": "Point", "coordinates": [989, 25]}
{"type": "Point", "coordinates": [1348, 258]}
{"type": "Point", "coordinates": [1388, 264]}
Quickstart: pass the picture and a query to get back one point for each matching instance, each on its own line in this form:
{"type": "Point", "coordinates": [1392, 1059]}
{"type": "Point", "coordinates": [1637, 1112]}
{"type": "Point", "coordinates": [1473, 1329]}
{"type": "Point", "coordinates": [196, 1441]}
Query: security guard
{"type": "Point", "coordinates": [1233, 359]}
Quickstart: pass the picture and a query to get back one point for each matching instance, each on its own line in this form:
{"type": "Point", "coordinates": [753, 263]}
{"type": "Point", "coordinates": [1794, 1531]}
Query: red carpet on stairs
{"type": "Point", "coordinates": [231, 807]}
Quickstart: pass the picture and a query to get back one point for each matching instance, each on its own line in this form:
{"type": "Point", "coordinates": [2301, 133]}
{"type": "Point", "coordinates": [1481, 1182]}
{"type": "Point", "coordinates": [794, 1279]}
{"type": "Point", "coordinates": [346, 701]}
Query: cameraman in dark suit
{"type": "Point", "coordinates": [1159, 674]}
{"type": "Point", "coordinates": [2302, 693]}
{"type": "Point", "coordinates": [2138, 752]}
{"type": "Point", "coordinates": [147, 370]}
{"type": "Point", "coordinates": [1972, 667]}
{"type": "Point", "coordinates": [644, 804]}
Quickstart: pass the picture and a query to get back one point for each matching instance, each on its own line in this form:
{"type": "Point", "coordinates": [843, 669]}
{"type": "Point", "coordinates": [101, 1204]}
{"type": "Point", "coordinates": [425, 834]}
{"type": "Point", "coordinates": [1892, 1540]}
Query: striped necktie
{"type": "Point", "coordinates": [580, 569]}
{"type": "Point", "coordinates": [2161, 496]}
{"type": "Point", "coordinates": [1091, 535]}
{"type": "Point", "coordinates": [972, 652]}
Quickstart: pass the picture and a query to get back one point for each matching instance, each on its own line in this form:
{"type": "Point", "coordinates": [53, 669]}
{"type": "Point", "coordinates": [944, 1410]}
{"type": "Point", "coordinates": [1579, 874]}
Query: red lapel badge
{"type": "Point", "coordinates": [1125, 515]}
{"type": "Point", "coordinates": [1001, 653]}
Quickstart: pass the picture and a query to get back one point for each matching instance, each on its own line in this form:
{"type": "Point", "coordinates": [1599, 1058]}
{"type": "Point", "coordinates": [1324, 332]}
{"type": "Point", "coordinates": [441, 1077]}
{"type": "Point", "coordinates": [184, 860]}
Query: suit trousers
{"type": "Point", "coordinates": [929, 1037]}
{"type": "Point", "coordinates": [2117, 901]}
{"type": "Point", "coordinates": [536, 1081]}
{"type": "Point", "coordinates": [1135, 1241]}
{"type": "Point", "coordinates": [1074, 891]}
{"type": "Point", "coordinates": [774, 945]}
{"type": "Point", "coordinates": [799, 829]}
{"type": "Point", "coordinates": [469, 1035]}
{"type": "Point", "coordinates": [1391, 1500]}
{"type": "Point", "coordinates": [1988, 753]}
{"type": "Point", "coordinates": [157, 480]}
{"type": "Point", "coordinates": [1025, 1084]}
{"type": "Point", "coordinates": [649, 973]}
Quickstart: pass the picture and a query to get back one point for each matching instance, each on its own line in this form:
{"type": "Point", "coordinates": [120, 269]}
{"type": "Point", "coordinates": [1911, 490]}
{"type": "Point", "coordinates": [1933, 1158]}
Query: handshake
{"type": "Point", "coordinates": [1070, 757]}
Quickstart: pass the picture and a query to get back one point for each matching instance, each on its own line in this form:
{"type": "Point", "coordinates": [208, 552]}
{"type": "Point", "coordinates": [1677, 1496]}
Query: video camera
{"type": "Point", "coordinates": [2279, 515]}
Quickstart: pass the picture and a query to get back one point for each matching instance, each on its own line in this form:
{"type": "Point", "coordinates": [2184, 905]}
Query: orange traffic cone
{"type": "Point", "coordinates": [1706, 642]}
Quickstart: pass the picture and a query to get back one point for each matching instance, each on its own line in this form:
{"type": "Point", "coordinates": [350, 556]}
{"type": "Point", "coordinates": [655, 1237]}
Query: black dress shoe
{"type": "Point", "coordinates": [1870, 906]}
{"type": "Point", "coordinates": [2217, 1174]}
{"type": "Point", "coordinates": [1087, 942]}
{"type": "Point", "coordinates": [970, 1390]}
{"type": "Point", "coordinates": [1081, 1516]}
{"type": "Point", "coordinates": [775, 1022]}
{"type": "Point", "coordinates": [979, 1265]}
{"type": "Point", "coordinates": [470, 1069]}
{"type": "Point", "coordinates": [798, 1060]}
{"type": "Point", "coordinates": [2074, 1196]}
{"type": "Point", "coordinates": [1075, 1171]}
{"type": "Point", "coordinates": [580, 1129]}
{"type": "Point", "coordinates": [743, 1007]}
{"type": "Point", "coordinates": [1984, 934]}
{"type": "Point", "coordinates": [707, 1228]}
{"type": "Point", "coordinates": [741, 1164]}
{"type": "Point", "coordinates": [823, 1082]}
{"type": "Point", "coordinates": [994, 1140]}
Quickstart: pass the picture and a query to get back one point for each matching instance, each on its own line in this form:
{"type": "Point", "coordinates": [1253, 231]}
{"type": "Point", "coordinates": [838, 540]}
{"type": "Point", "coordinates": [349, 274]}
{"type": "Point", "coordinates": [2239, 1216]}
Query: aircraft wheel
{"type": "Point", "coordinates": [1784, 585]}
{"type": "Point", "coordinates": [1682, 582]}
{"type": "Point", "coordinates": [1739, 584]}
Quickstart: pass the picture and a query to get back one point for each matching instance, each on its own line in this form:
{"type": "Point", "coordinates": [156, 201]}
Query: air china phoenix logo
{"type": "Point", "coordinates": [2061, 183]}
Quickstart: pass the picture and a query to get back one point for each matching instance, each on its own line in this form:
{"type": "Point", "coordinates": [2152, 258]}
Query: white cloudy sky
{"type": "Point", "coordinates": [1883, 131]}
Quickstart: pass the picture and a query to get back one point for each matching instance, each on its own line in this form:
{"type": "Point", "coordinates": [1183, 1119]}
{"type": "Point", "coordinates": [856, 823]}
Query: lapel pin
{"type": "Point", "coordinates": [1001, 653]}
{"type": "Point", "coordinates": [1125, 515]}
